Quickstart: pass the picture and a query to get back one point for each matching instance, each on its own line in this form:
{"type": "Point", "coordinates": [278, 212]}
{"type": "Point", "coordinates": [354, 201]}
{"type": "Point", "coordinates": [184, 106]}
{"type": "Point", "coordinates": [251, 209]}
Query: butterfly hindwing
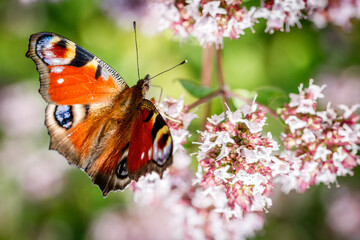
{"type": "Point", "coordinates": [71, 75]}
{"type": "Point", "coordinates": [95, 143]}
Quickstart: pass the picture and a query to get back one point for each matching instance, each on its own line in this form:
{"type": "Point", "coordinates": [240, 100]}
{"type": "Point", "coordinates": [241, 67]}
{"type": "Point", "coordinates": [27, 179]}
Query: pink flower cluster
{"type": "Point", "coordinates": [320, 145]}
{"type": "Point", "coordinates": [209, 21]}
{"type": "Point", "coordinates": [337, 12]}
{"type": "Point", "coordinates": [237, 162]}
{"type": "Point", "coordinates": [200, 214]}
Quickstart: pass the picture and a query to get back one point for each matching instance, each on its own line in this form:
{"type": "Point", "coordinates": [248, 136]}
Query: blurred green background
{"type": "Point", "coordinates": [42, 197]}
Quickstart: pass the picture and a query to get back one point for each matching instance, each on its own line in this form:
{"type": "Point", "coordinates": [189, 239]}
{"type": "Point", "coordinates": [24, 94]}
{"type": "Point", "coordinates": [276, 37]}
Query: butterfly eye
{"type": "Point", "coordinates": [121, 170]}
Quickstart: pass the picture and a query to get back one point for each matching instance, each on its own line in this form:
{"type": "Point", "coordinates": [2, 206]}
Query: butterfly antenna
{"type": "Point", "coordinates": [137, 52]}
{"type": "Point", "coordinates": [167, 116]}
{"type": "Point", "coordinates": [185, 61]}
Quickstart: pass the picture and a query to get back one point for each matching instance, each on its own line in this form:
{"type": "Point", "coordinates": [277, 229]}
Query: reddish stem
{"type": "Point", "coordinates": [205, 99]}
{"type": "Point", "coordinates": [206, 81]}
{"type": "Point", "coordinates": [221, 75]}
{"type": "Point", "coordinates": [206, 66]}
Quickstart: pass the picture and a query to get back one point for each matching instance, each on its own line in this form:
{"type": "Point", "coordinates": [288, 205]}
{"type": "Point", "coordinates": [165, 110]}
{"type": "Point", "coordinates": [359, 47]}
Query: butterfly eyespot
{"type": "Point", "coordinates": [64, 116]}
{"type": "Point", "coordinates": [121, 170]}
{"type": "Point", "coordinates": [162, 149]}
{"type": "Point", "coordinates": [50, 52]}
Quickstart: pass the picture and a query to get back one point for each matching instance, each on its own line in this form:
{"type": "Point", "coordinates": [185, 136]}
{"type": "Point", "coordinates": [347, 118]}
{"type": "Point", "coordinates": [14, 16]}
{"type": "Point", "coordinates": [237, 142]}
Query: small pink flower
{"type": "Point", "coordinates": [238, 162]}
{"type": "Point", "coordinates": [320, 145]}
{"type": "Point", "coordinates": [179, 121]}
{"type": "Point", "coordinates": [209, 21]}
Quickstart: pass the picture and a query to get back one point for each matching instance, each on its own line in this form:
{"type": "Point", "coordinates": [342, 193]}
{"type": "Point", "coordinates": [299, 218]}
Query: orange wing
{"type": "Point", "coordinates": [71, 75]}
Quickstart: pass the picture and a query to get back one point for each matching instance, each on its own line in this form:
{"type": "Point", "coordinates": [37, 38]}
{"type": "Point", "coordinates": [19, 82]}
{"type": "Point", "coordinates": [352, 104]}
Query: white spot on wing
{"type": "Point", "coordinates": [142, 156]}
{"type": "Point", "coordinates": [49, 54]}
{"type": "Point", "coordinates": [57, 69]}
{"type": "Point", "coordinates": [149, 153]}
{"type": "Point", "coordinates": [104, 74]}
{"type": "Point", "coordinates": [55, 61]}
{"type": "Point", "coordinates": [60, 81]}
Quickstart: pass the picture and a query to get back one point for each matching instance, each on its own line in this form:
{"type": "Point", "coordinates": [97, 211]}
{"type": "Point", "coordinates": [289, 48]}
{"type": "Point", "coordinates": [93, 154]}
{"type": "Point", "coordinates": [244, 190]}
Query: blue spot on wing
{"type": "Point", "coordinates": [64, 116]}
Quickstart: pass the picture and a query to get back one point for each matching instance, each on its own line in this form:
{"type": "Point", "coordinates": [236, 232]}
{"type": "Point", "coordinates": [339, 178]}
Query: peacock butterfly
{"type": "Point", "coordinates": [94, 118]}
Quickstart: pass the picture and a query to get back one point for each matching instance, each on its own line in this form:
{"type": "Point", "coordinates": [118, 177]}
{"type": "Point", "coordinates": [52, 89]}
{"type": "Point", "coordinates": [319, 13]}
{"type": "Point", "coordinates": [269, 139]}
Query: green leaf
{"type": "Point", "coordinates": [271, 97]}
{"type": "Point", "coordinates": [196, 89]}
{"type": "Point", "coordinates": [251, 3]}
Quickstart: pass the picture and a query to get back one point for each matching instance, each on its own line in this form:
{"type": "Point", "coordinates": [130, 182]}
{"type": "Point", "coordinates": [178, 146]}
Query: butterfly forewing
{"type": "Point", "coordinates": [71, 75]}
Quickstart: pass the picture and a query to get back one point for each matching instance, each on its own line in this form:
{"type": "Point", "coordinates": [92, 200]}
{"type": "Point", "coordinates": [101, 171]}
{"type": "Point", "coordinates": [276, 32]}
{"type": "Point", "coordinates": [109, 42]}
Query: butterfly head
{"type": "Point", "coordinates": [144, 84]}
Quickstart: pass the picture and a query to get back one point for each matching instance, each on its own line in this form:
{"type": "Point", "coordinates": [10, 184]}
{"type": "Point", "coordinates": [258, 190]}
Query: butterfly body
{"type": "Point", "coordinates": [94, 118]}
